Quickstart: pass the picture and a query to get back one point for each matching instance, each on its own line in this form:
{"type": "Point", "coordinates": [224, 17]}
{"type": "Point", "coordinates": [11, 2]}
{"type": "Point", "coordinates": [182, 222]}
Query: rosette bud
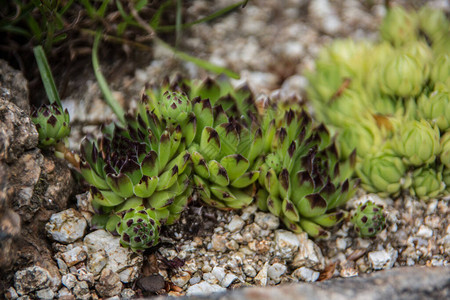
{"type": "Point", "coordinates": [382, 173]}
{"type": "Point", "coordinates": [175, 106]}
{"type": "Point", "coordinates": [433, 23]}
{"type": "Point", "coordinates": [403, 76]}
{"type": "Point", "coordinates": [369, 219]}
{"type": "Point", "coordinates": [445, 150]}
{"type": "Point", "coordinates": [436, 108]}
{"type": "Point", "coordinates": [52, 124]}
{"type": "Point", "coordinates": [366, 138]}
{"type": "Point", "coordinates": [440, 72]}
{"type": "Point", "coordinates": [399, 26]}
{"type": "Point", "coordinates": [426, 183]}
{"type": "Point", "coordinates": [138, 230]}
{"type": "Point", "coordinates": [417, 142]}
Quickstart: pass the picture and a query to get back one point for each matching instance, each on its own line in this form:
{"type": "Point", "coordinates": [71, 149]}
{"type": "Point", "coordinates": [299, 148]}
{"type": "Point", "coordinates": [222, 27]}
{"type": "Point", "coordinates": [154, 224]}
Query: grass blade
{"type": "Point", "coordinates": [46, 75]}
{"type": "Point", "coordinates": [109, 98]}
{"type": "Point", "coordinates": [208, 18]}
{"type": "Point", "coordinates": [199, 62]}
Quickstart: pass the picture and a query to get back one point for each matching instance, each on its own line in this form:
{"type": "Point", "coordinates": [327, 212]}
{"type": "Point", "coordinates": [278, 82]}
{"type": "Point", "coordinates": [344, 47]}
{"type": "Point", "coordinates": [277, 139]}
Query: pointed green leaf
{"type": "Point", "coordinates": [235, 164]}
{"type": "Point", "coordinates": [120, 184]}
{"type": "Point", "coordinates": [146, 186]}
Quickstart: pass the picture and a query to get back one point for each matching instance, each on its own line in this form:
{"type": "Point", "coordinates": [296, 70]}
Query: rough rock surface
{"type": "Point", "coordinates": [399, 283]}
{"type": "Point", "coordinates": [13, 86]}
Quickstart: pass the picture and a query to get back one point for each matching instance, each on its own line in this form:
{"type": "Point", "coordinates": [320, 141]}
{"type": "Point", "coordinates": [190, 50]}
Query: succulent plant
{"type": "Point", "coordinates": [399, 26]}
{"type": "Point", "coordinates": [440, 71]}
{"type": "Point", "coordinates": [445, 150]}
{"type": "Point", "coordinates": [417, 142]}
{"type": "Point", "coordinates": [369, 219]}
{"type": "Point", "coordinates": [427, 183]}
{"type": "Point", "coordinates": [403, 75]}
{"type": "Point", "coordinates": [435, 108]}
{"type": "Point", "coordinates": [138, 229]}
{"type": "Point", "coordinates": [394, 105]}
{"type": "Point", "coordinates": [301, 178]}
{"type": "Point", "coordinates": [52, 124]}
{"type": "Point", "coordinates": [222, 138]}
{"type": "Point", "coordinates": [382, 173]}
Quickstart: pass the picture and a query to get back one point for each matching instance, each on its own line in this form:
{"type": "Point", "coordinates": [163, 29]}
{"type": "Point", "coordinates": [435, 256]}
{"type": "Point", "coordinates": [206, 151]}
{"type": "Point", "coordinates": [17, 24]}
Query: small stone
{"type": "Point", "coordinates": [209, 277]}
{"type": "Point", "coordinates": [66, 226]}
{"type": "Point", "coordinates": [151, 284]}
{"type": "Point", "coordinates": [341, 243]}
{"type": "Point", "coordinates": [204, 288]}
{"type": "Point", "coordinates": [232, 245]}
{"type": "Point", "coordinates": [11, 293]}
{"type": "Point", "coordinates": [84, 275]}
{"type": "Point", "coordinates": [74, 256]}
{"type": "Point", "coordinates": [45, 294]}
{"type": "Point", "coordinates": [309, 254]}
{"type": "Point", "coordinates": [31, 279]}
{"type": "Point", "coordinates": [276, 270]}
{"type": "Point", "coordinates": [267, 221]}
{"type": "Point", "coordinates": [249, 270]}
{"type": "Point", "coordinates": [219, 242]}
{"type": "Point", "coordinates": [424, 231]}
{"type": "Point", "coordinates": [24, 297]}
{"type": "Point", "coordinates": [65, 294]}
{"type": "Point", "coordinates": [235, 224]}
{"type": "Point", "coordinates": [97, 261]}
{"type": "Point", "coordinates": [306, 274]}
{"type": "Point", "coordinates": [261, 278]}
{"type": "Point", "coordinates": [287, 243]}
{"type": "Point", "coordinates": [127, 294]}
{"type": "Point", "coordinates": [228, 280]}
{"type": "Point", "coordinates": [382, 259]}
{"type": "Point", "coordinates": [181, 279]}
{"type": "Point", "coordinates": [63, 269]}
{"type": "Point", "coordinates": [219, 273]}
{"type": "Point", "coordinates": [81, 290]}
{"type": "Point", "coordinates": [109, 284]}
{"type": "Point", "coordinates": [194, 280]}
{"type": "Point", "coordinates": [69, 281]}
{"type": "Point", "coordinates": [118, 257]}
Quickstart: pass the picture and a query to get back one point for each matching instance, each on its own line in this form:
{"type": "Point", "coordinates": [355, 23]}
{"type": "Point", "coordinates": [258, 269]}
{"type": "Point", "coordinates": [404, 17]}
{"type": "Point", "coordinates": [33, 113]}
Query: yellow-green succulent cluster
{"type": "Point", "coordinates": [213, 142]}
{"type": "Point", "coordinates": [390, 100]}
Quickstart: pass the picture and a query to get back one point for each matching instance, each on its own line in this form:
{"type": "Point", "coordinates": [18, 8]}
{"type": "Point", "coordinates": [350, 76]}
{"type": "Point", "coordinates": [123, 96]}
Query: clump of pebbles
{"type": "Point", "coordinates": [243, 248]}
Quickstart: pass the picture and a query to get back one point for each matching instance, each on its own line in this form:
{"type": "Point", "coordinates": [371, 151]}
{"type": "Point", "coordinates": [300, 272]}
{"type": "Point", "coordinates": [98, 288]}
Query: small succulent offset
{"type": "Point", "coordinates": [369, 219]}
{"type": "Point", "coordinates": [52, 124]}
{"type": "Point", "coordinates": [394, 105]}
{"type": "Point", "coordinates": [137, 229]}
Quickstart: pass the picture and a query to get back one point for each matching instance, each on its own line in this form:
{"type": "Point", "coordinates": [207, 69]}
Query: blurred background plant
{"type": "Point", "coordinates": [390, 100]}
{"type": "Point", "coordinates": [66, 30]}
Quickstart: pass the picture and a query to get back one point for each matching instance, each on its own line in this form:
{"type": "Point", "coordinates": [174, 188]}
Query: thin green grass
{"type": "Point", "coordinates": [46, 75]}
{"type": "Point", "coordinates": [109, 98]}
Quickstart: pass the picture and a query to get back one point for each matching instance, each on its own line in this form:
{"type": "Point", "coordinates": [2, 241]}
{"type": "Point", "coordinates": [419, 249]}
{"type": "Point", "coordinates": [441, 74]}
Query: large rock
{"type": "Point", "coordinates": [398, 283]}
{"type": "Point", "coordinates": [13, 86]}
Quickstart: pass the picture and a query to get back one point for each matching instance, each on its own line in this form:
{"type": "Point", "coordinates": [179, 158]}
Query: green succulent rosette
{"type": "Point", "coordinates": [220, 134]}
{"type": "Point", "coordinates": [445, 150]}
{"type": "Point", "coordinates": [301, 179]}
{"type": "Point", "coordinates": [382, 173]}
{"type": "Point", "coordinates": [403, 75]}
{"type": "Point", "coordinates": [433, 23]}
{"type": "Point", "coordinates": [368, 219]}
{"type": "Point", "coordinates": [366, 137]}
{"type": "Point", "coordinates": [440, 71]}
{"type": "Point", "coordinates": [417, 142]}
{"type": "Point", "coordinates": [435, 108]}
{"type": "Point", "coordinates": [138, 229]}
{"type": "Point", "coordinates": [446, 178]}
{"type": "Point", "coordinates": [52, 124]}
{"type": "Point", "coordinates": [399, 26]}
{"type": "Point", "coordinates": [136, 166]}
{"type": "Point", "coordinates": [427, 183]}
